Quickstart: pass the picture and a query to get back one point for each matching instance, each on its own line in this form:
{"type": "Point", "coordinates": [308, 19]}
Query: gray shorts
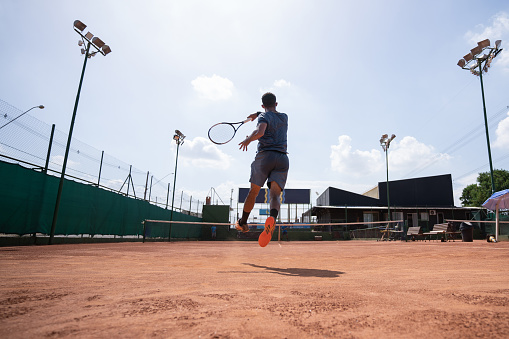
{"type": "Point", "coordinates": [270, 165]}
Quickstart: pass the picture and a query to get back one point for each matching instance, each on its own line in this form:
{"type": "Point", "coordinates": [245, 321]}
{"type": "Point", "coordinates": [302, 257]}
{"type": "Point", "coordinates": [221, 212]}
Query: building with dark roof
{"type": "Point", "coordinates": [420, 202]}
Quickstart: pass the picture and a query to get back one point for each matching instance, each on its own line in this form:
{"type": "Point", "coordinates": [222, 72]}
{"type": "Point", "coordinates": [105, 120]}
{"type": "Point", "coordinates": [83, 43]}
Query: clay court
{"type": "Point", "coordinates": [346, 289]}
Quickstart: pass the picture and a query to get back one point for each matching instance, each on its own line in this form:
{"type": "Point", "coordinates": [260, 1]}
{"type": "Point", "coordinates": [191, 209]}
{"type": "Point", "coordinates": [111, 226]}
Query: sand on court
{"type": "Point", "coordinates": [347, 289]}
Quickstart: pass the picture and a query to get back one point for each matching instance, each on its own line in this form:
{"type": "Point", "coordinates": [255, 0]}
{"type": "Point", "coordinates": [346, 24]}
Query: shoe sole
{"type": "Point", "coordinates": [266, 236]}
{"type": "Point", "coordinates": [241, 229]}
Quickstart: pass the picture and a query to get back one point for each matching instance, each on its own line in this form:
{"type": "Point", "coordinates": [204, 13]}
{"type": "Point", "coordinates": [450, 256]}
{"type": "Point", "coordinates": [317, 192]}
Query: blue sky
{"type": "Point", "coordinates": [345, 72]}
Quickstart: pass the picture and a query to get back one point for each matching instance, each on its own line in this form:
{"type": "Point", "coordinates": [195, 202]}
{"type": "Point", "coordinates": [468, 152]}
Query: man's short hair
{"type": "Point", "coordinates": [269, 100]}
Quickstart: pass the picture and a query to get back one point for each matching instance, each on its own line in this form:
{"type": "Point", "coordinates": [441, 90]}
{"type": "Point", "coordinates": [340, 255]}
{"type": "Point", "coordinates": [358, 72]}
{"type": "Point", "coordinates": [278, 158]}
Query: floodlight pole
{"type": "Point", "coordinates": [487, 133]}
{"type": "Point", "coordinates": [103, 49]}
{"type": "Point", "coordinates": [66, 155]}
{"type": "Point", "coordinates": [385, 142]}
{"type": "Point", "coordinates": [486, 59]}
{"type": "Point", "coordinates": [388, 199]}
{"type": "Point", "coordinates": [179, 139]}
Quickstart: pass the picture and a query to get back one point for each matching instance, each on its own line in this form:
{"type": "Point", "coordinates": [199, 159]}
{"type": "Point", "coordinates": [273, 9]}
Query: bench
{"type": "Point", "coordinates": [444, 229]}
{"type": "Point", "coordinates": [413, 232]}
{"type": "Point", "coordinates": [438, 229]}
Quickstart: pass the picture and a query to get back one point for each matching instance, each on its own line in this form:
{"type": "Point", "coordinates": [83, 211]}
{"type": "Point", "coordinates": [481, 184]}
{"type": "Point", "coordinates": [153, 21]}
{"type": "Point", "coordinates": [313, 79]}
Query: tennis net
{"type": "Point", "coordinates": [160, 230]}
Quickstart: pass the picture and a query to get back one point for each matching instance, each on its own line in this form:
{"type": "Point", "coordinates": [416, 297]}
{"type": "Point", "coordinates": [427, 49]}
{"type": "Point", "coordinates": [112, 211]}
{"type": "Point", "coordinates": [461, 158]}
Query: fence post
{"type": "Point", "coordinates": [100, 169]}
{"type": "Point", "coordinates": [49, 148]}
{"type": "Point", "coordinates": [150, 189]}
{"type": "Point", "coordinates": [146, 183]}
{"type": "Point", "coordinates": [190, 203]}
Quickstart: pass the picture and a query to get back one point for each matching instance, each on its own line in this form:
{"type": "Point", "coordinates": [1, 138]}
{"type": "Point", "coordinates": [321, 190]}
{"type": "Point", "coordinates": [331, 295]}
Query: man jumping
{"type": "Point", "coordinates": [270, 164]}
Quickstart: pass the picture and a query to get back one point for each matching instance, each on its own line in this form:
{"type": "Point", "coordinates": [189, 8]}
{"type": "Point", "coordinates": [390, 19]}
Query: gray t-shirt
{"type": "Point", "coordinates": [274, 138]}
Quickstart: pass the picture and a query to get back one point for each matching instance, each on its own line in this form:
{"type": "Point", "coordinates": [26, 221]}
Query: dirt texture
{"type": "Point", "coordinates": [343, 289]}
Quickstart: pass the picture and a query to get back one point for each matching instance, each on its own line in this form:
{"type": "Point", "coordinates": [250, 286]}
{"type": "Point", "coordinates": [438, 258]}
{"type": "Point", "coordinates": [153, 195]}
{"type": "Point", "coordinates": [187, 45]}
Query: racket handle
{"type": "Point", "coordinates": [247, 120]}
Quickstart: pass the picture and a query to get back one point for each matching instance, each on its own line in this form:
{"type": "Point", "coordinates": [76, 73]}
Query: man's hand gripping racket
{"type": "Point", "coordinates": [224, 132]}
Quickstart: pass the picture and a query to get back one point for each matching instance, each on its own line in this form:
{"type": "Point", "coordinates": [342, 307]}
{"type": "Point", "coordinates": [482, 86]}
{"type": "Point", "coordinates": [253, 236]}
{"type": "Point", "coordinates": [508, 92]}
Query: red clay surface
{"type": "Point", "coordinates": [346, 289]}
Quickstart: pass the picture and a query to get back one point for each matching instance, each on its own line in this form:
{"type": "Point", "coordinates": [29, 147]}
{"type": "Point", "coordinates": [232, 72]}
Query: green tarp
{"type": "Point", "coordinates": [27, 203]}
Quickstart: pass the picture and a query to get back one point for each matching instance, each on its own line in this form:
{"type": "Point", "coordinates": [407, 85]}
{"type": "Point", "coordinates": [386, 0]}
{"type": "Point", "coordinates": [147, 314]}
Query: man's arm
{"type": "Point", "coordinates": [257, 134]}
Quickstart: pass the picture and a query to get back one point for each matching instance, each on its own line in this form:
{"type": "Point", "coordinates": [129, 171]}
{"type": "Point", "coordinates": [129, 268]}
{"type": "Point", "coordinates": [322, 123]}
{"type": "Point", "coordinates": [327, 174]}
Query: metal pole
{"type": "Point", "coordinates": [19, 116]}
{"type": "Point", "coordinates": [69, 138]}
{"type": "Point", "coordinates": [100, 169]}
{"type": "Point", "coordinates": [146, 185]}
{"type": "Point", "coordinates": [487, 133]}
{"type": "Point", "coordinates": [387, 165]}
{"type": "Point", "coordinates": [174, 182]}
{"type": "Point", "coordinates": [167, 195]}
{"type": "Point", "coordinates": [129, 179]}
{"type": "Point", "coordinates": [150, 190]}
{"type": "Point", "coordinates": [49, 148]}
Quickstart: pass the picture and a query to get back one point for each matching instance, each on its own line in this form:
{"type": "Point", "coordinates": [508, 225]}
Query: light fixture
{"type": "Point", "coordinates": [106, 49]}
{"type": "Point", "coordinates": [476, 50]}
{"type": "Point", "coordinates": [468, 57]}
{"type": "Point", "coordinates": [98, 42]}
{"type": "Point", "coordinates": [5, 116]}
{"type": "Point", "coordinates": [484, 43]}
{"type": "Point", "coordinates": [79, 25]}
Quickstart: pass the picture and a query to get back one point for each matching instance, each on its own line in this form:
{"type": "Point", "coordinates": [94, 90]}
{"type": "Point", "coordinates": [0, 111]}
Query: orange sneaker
{"type": "Point", "coordinates": [266, 236]}
{"type": "Point", "coordinates": [241, 227]}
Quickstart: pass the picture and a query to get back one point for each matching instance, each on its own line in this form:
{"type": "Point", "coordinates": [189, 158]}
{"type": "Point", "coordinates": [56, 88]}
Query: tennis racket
{"type": "Point", "coordinates": [224, 132]}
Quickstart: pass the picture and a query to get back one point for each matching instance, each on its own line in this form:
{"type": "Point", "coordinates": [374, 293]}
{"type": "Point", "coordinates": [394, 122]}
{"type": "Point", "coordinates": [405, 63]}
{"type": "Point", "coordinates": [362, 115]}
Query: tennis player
{"type": "Point", "coordinates": [270, 164]}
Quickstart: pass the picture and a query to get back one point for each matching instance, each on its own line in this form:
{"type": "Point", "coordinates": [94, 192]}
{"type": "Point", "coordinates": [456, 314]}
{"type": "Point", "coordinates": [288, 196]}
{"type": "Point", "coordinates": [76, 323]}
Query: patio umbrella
{"type": "Point", "coordinates": [498, 200]}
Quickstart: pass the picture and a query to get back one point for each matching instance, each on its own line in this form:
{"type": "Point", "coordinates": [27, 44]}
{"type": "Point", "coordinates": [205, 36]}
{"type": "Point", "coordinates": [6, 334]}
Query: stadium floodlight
{"type": "Point", "coordinates": [40, 106]}
{"type": "Point", "coordinates": [179, 139]}
{"type": "Point", "coordinates": [89, 42]}
{"type": "Point", "coordinates": [79, 25]}
{"type": "Point", "coordinates": [98, 42]}
{"type": "Point", "coordinates": [385, 142]}
{"type": "Point", "coordinates": [483, 44]}
{"type": "Point", "coordinates": [481, 64]}
{"type": "Point", "coordinates": [106, 49]}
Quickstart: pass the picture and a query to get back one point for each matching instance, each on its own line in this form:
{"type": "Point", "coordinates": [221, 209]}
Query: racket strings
{"type": "Point", "coordinates": [221, 133]}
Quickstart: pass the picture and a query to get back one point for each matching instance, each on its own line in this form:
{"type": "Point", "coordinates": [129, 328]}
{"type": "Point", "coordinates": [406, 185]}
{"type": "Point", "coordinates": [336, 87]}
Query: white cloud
{"type": "Point", "coordinates": [213, 88]}
{"type": "Point", "coordinates": [410, 154]}
{"type": "Point", "coordinates": [502, 134]}
{"type": "Point", "coordinates": [200, 152]}
{"type": "Point", "coordinates": [354, 162]}
{"type": "Point", "coordinates": [278, 84]}
{"type": "Point", "coordinates": [498, 30]}
{"type": "Point", "coordinates": [59, 161]}
{"type": "Point", "coordinates": [282, 83]}
{"type": "Point", "coordinates": [407, 155]}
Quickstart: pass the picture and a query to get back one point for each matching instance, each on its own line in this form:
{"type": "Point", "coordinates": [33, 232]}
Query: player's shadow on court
{"type": "Point", "coordinates": [300, 272]}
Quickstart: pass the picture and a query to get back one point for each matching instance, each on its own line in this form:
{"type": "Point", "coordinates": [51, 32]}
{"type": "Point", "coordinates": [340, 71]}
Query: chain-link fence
{"type": "Point", "coordinates": [35, 144]}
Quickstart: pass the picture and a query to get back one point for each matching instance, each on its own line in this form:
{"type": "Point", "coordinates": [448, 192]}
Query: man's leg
{"type": "Point", "coordinates": [248, 207]}
{"type": "Point", "coordinates": [275, 202]}
{"type": "Point", "coordinates": [270, 223]}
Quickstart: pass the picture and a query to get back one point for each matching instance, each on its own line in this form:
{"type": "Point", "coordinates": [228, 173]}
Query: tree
{"type": "Point", "coordinates": [475, 195]}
